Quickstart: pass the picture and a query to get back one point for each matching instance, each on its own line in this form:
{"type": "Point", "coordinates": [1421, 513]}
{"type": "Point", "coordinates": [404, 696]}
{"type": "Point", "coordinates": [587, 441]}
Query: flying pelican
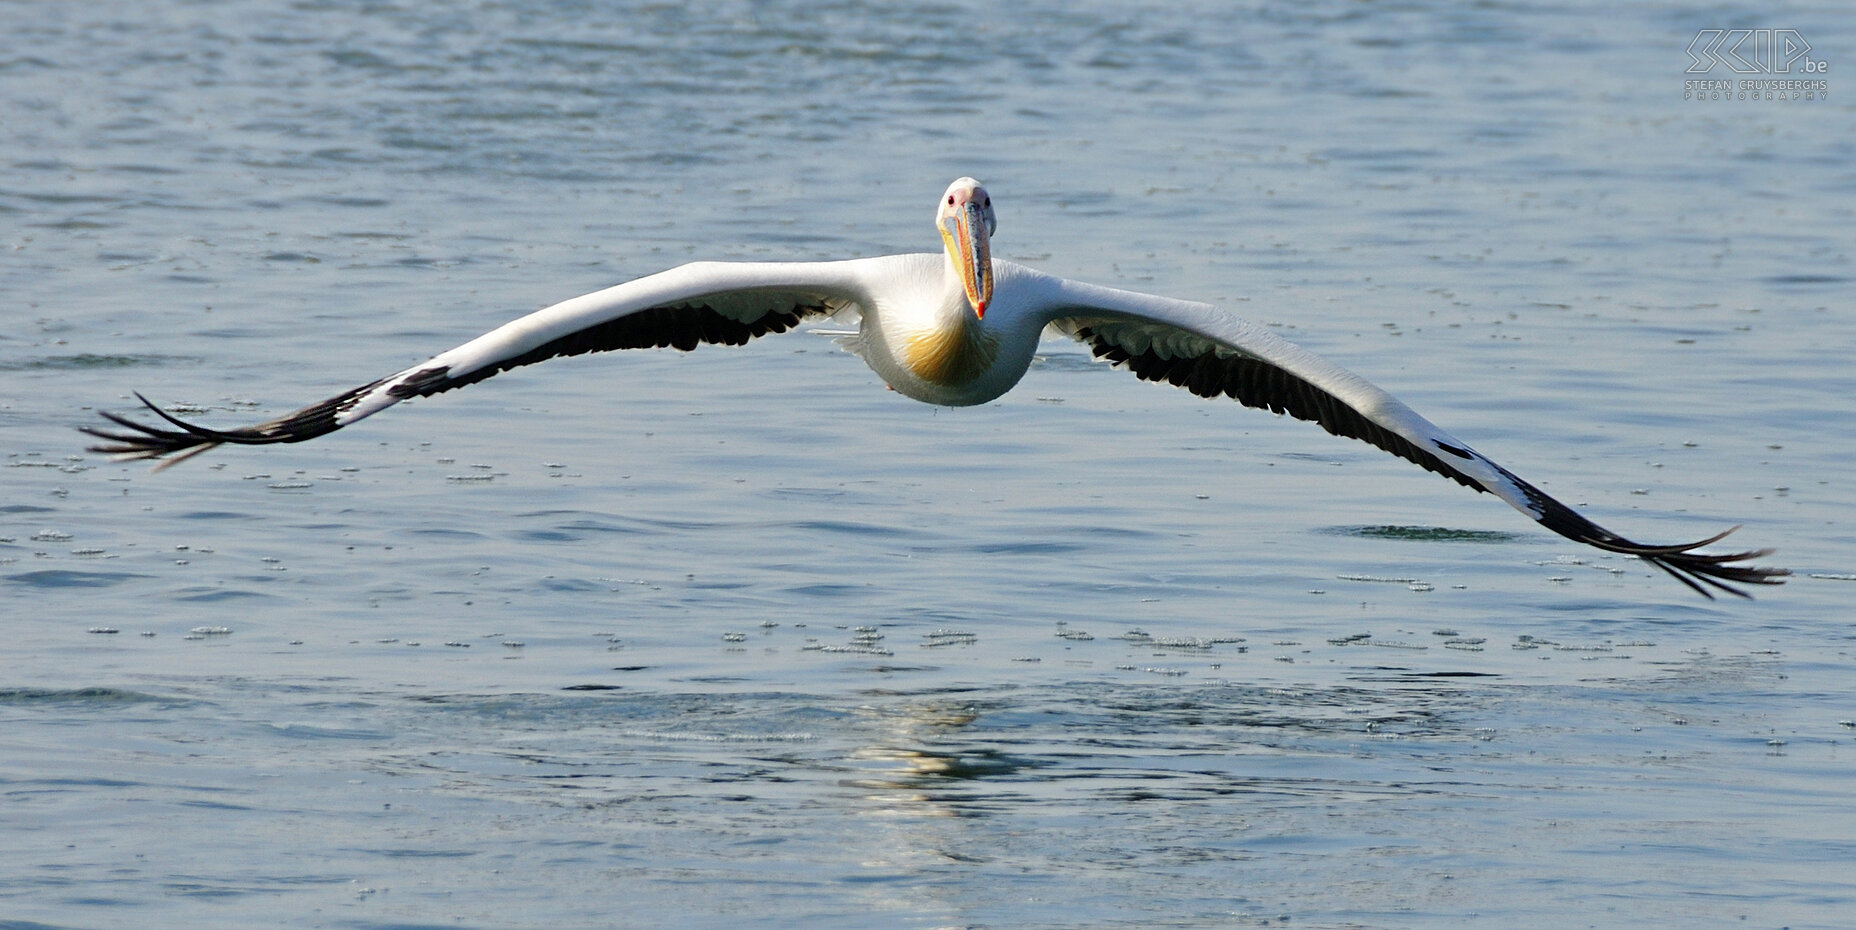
{"type": "Point", "coordinates": [957, 328]}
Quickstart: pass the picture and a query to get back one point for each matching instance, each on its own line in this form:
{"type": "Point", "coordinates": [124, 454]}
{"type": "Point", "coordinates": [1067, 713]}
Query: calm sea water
{"type": "Point", "coordinates": [739, 638]}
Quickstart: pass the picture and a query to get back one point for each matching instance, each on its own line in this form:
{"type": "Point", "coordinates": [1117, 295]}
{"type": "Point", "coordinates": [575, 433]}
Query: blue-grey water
{"type": "Point", "coordinates": [738, 638]}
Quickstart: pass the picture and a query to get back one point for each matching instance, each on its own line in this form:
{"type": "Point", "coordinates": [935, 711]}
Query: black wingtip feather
{"type": "Point", "coordinates": [1695, 569]}
{"type": "Point", "coordinates": [141, 441]}
{"type": "Point", "coordinates": [1715, 570]}
{"type": "Point", "coordinates": [1699, 570]}
{"type": "Point", "coordinates": [144, 441]}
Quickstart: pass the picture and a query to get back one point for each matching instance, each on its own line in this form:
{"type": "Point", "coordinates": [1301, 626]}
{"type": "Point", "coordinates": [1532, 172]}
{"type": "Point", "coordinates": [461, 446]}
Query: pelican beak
{"type": "Point", "coordinates": [969, 247]}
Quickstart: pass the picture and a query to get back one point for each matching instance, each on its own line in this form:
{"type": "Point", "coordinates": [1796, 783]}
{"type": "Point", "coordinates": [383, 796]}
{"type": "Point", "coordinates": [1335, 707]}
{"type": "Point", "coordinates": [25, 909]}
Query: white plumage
{"type": "Point", "coordinates": [955, 328]}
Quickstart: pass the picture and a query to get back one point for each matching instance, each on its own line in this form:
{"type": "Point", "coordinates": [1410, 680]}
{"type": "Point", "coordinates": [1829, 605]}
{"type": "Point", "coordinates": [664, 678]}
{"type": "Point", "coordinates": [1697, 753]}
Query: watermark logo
{"type": "Point", "coordinates": [1772, 51]}
{"type": "Point", "coordinates": [1755, 52]}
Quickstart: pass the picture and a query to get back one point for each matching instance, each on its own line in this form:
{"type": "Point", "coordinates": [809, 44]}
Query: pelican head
{"type": "Point", "coordinates": [967, 224]}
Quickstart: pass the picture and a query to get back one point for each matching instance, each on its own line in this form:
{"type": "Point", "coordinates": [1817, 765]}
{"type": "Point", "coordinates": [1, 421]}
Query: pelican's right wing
{"type": "Point", "coordinates": [1212, 353]}
{"type": "Point", "coordinates": [705, 302]}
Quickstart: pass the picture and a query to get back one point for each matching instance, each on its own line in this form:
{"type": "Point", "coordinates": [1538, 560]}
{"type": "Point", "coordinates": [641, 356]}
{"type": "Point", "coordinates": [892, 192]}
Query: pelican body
{"type": "Point", "coordinates": [955, 328]}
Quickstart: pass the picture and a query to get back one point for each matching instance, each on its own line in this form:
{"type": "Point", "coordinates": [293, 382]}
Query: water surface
{"type": "Point", "coordinates": [737, 637]}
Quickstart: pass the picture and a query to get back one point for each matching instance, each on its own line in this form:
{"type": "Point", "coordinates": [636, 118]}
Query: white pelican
{"type": "Point", "coordinates": [955, 328]}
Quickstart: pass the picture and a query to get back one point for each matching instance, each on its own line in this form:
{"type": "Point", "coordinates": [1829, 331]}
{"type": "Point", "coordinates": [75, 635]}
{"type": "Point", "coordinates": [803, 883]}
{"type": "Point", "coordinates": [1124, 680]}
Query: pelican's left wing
{"type": "Point", "coordinates": [705, 302]}
{"type": "Point", "coordinates": [1212, 353]}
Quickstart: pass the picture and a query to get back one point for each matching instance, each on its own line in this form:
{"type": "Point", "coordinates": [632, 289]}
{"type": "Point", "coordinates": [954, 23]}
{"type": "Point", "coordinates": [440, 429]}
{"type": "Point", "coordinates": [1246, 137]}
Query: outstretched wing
{"type": "Point", "coordinates": [706, 302]}
{"type": "Point", "coordinates": [1212, 353]}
